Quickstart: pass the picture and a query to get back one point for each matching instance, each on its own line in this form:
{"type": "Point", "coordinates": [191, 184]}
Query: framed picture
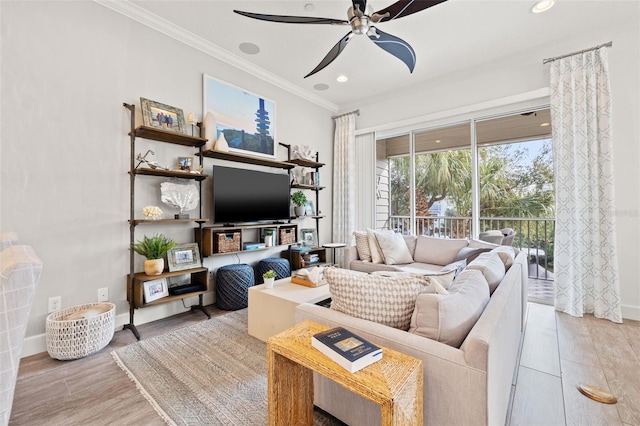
{"type": "Point", "coordinates": [155, 289]}
{"type": "Point", "coordinates": [185, 164]}
{"type": "Point", "coordinates": [155, 114]}
{"type": "Point", "coordinates": [247, 120]}
{"type": "Point", "coordinates": [309, 237]}
{"type": "Point", "coordinates": [308, 209]}
{"type": "Point", "coordinates": [184, 256]}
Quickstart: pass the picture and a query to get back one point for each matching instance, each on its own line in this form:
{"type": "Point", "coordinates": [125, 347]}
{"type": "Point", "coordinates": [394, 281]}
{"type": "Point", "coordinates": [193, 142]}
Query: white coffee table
{"type": "Point", "coordinates": [272, 310]}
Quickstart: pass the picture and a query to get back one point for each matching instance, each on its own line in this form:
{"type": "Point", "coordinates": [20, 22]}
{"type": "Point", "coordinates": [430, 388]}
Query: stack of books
{"type": "Point", "coordinates": [311, 258]}
{"type": "Point", "coordinates": [347, 349]}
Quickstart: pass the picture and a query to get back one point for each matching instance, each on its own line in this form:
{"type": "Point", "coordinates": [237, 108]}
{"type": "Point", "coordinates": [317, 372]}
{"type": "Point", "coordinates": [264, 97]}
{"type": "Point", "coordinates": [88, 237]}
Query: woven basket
{"type": "Point", "coordinates": [287, 236]}
{"type": "Point", "coordinates": [81, 330]}
{"type": "Point", "coordinates": [226, 242]}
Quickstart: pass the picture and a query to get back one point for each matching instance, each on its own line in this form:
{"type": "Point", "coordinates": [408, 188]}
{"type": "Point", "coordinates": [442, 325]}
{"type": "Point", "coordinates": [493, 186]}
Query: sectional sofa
{"type": "Point", "coordinates": [468, 339]}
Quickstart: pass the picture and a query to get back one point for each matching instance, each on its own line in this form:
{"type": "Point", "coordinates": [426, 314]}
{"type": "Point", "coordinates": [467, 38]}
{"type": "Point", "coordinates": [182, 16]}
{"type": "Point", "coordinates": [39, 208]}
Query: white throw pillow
{"type": "Point", "coordinates": [491, 267]}
{"type": "Point", "coordinates": [437, 251]}
{"type": "Point", "coordinates": [394, 249]}
{"type": "Point", "coordinates": [362, 245]}
{"type": "Point", "coordinates": [382, 299]}
{"type": "Point", "coordinates": [449, 318]}
{"type": "Point", "coordinates": [376, 254]}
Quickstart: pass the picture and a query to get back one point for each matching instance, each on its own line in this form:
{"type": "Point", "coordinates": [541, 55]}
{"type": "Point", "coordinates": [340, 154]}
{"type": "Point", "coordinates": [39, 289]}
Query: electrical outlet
{"type": "Point", "coordinates": [103, 294]}
{"type": "Point", "coordinates": [55, 303]}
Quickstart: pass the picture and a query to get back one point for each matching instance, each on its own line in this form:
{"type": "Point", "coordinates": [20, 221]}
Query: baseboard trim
{"type": "Point", "coordinates": [631, 312]}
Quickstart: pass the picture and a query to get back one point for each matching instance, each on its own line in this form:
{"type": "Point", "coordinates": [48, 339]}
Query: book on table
{"type": "Point", "coordinates": [349, 350]}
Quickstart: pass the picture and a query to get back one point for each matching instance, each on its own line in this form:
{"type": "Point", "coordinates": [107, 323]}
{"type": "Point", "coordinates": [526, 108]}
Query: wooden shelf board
{"type": "Point", "coordinates": [303, 186]}
{"type": "Point", "coordinates": [306, 163]}
{"type": "Point", "coordinates": [231, 156]}
{"type": "Point", "coordinates": [170, 173]}
{"type": "Point", "coordinates": [167, 274]}
{"type": "Point", "coordinates": [172, 298]}
{"type": "Point", "coordinates": [139, 221]}
{"type": "Point", "coordinates": [168, 136]}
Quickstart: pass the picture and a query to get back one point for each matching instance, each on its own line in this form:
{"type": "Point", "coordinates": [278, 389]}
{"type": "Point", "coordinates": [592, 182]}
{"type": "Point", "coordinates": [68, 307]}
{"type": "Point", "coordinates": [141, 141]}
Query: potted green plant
{"type": "Point", "coordinates": [269, 277]}
{"type": "Point", "coordinates": [299, 199]}
{"type": "Point", "coordinates": [153, 249]}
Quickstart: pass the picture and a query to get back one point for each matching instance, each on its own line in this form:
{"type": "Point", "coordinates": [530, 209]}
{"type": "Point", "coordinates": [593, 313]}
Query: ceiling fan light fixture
{"type": "Point", "coordinates": [342, 78]}
{"type": "Point", "coordinates": [542, 6]}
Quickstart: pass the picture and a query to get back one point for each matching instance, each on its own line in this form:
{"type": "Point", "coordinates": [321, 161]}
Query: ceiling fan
{"type": "Point", "coordinates": [361, 21]}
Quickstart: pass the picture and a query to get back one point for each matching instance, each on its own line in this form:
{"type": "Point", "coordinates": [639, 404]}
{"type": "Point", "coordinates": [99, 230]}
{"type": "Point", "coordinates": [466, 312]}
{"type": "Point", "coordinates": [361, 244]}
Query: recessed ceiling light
{"type": "Point", "coordinates": [309, 7]}
{"type": "Point", "coordinates": [438, 141]}
{"type": "Point", "coordinates": [321, 86]}
{"type": "Point", "coordinates": [545, 124]}
{"type": "Point", "coordinates": [249, 48]}
{"type": "Point", "coordinates": [542, 6]}
{"type": "Point", "coordinates": [342, 78]}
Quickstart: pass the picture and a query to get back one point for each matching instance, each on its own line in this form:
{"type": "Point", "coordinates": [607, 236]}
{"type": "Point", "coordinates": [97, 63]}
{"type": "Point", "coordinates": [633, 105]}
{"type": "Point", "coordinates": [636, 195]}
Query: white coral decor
{"type": "Point", "coordinates": [152, 212]}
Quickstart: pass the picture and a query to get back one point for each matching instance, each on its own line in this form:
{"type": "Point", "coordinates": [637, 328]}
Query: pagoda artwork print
{"type": "Point", "coordinates": [247, 120]}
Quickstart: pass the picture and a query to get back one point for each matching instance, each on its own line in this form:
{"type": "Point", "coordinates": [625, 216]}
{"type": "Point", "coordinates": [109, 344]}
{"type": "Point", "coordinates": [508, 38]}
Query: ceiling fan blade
{"type": "Point", "coordinates": [359, 4]}
{"type": "Point", "coordinates": [403, 8]}
{"type": "Point", "coordinates": [292, 19]}
{"type": "Point", "coordinates": [333, 53]}
{"type": "Point", "coordinates": [394, 45]}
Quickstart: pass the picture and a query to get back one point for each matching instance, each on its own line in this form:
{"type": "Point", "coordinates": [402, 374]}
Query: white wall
{"type": "Point", "coordinates": [513, 76]}
{"type": "Point", "coordinates": [67, 67]}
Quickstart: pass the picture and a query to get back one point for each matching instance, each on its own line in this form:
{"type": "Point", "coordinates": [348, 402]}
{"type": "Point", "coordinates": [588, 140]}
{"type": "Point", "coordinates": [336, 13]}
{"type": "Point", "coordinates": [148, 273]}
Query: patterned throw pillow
{"type": "Point", "coordinates": [362, 245]}
{"type": "Point", "coordinates": [385, 300]}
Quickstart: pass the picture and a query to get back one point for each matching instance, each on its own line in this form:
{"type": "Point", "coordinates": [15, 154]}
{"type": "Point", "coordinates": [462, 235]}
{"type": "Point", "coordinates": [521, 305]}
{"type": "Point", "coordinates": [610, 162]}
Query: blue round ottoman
{"type": "Point", "coordinates": [278, 264]}
{"type": "Point", "coordinates": [232, 286]}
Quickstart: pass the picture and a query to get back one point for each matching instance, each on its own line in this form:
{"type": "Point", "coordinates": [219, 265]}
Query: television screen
{"type": "Point", "coordinates": [242, 195]}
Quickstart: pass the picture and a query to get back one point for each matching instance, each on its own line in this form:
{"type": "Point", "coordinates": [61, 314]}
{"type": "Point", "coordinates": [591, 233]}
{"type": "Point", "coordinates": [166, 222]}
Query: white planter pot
{"type": "Point", "coordinates": [299, 210]}
{"type": "Point", "coordinates": [268, 282]}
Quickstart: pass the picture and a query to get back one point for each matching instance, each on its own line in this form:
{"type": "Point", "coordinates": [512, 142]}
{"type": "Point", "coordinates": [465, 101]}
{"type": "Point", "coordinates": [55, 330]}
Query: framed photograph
{"type": "Point", "coordinates": [185, 164]}
{"type": "Point", "coordinates": [184, 256]}
{"type": "Point", "coordinates": [155, 289]}
{"type": "Point", "coordinates": [308, 209]}
{"type": "Point", "coordinates": [247, 120]}
{"type": "Point", "coordinates": [155, 114]}
{"type": "Point", "coordinates": [309, 237]}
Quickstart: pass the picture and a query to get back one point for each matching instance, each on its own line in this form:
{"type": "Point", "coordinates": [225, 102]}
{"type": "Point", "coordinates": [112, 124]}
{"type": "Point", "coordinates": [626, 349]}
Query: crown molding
{"type": "Point", "coordinates": [176, 32]}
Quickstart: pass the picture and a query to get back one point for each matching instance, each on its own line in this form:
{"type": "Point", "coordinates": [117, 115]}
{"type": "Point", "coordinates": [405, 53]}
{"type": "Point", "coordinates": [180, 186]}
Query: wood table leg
{"type": "Point", "coordinates": [290, 391]}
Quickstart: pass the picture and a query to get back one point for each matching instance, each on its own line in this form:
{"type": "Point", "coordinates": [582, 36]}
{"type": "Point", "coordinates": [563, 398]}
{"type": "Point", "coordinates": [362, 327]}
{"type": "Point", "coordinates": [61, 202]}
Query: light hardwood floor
{"type": "Point", "coordinates": [558, 353]}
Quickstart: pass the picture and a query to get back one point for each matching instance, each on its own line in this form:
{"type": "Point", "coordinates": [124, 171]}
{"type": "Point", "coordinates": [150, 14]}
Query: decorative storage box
{"type": "Point", "coordinates": [287, 236]}
{"type": "Point", "coordinates": [226, 242]}
{"type": "Point", "coordinates": [81, 330]}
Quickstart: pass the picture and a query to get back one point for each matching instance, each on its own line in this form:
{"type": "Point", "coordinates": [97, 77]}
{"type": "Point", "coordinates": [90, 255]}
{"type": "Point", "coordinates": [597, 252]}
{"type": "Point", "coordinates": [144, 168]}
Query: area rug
{"type": "Point", "coordinates": [209, 373]}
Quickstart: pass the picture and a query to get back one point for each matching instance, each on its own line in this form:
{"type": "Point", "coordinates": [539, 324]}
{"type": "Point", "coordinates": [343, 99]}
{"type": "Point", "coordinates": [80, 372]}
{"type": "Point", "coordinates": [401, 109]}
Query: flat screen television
{"type": "Point", "coordinates": [243, 195]}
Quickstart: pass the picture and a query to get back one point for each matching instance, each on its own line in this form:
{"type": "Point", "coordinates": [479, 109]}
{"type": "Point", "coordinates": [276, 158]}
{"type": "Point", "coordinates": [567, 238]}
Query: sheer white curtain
{"type": "Point", "coordinates": [344, 180]}
{"type": "Point", "coordinates": [586, 265]}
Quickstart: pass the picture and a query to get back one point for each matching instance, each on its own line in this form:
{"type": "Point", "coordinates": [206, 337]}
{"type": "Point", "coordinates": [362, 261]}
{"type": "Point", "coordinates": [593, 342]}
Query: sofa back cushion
{"type": "Point", "coordinates": [491, 267]}
{"type": "Point", "coordinates": [448, 318]}
{"type": "Point", "coordinates": [387, 300]}
{"type": "Point", "coordinates": [437, 251]}
{"type": "Point", "coordinates": [507, 255]}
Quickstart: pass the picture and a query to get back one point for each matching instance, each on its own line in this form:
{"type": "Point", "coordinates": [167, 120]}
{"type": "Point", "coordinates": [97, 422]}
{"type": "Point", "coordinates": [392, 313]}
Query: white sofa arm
{"type": "Point", "coordinates": [350, 254]}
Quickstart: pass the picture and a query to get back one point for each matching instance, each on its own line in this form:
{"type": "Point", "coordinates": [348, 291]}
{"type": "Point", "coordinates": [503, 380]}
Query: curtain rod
{"type": "Point", "coordinates": [545, 61]}
{"type": "Point", "coordinates": [357, 112]}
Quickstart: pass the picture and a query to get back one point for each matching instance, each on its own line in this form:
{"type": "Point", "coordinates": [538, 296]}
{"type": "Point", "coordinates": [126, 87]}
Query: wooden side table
{"type": "Point", "coordinates": [394, 382]}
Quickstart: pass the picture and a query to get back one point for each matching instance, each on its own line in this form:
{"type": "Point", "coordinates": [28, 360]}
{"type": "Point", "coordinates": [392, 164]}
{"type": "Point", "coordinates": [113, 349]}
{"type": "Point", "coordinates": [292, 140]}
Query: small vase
{"type": "Point", "coordinates": [268, 282]}
{"type": "Point", "coordinates": [221, 144]}
{"type": "Point", "coordinates": [153, 266]}
{"type": "Point", "coordinates": [210, 132]}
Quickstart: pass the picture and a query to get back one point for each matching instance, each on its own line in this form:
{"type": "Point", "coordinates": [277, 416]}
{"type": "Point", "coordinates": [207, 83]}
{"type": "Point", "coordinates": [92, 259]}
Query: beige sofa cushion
{"type": "Point", "coordinates": [491, 267]}
{"type": "Point", "coordinates": [449, 318]}
{"type": "Point", "coordinates": [507, 255]}
{"type": "Point", "coordinates": [382, 299]}
{"type": "Point", "coordinates": [362, 245]}
{"type": "Point", "coordinates": [438, 251]}
{"type": "Point", "coordinates": [394, 248]}
{"type": "Point", "coordinates": [376, 253]}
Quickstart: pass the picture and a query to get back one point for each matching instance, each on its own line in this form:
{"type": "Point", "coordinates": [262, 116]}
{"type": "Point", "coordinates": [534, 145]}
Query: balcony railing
{"type": "Point", "coordinates": [533, 235]}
